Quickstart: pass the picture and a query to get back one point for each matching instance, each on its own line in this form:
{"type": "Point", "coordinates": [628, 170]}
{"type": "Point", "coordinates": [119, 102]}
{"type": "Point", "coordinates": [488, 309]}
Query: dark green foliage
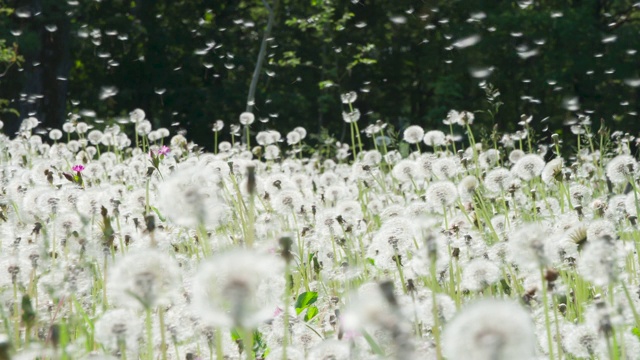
{"type": "Point", "coordinates": [398, 55]}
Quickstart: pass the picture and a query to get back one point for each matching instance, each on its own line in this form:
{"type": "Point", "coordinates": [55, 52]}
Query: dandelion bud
{"type": "Point", "coordinates": [387, 291]}
{"type": "Point", "coordinates": [251, 179]}
{"type": "Point", "coordinates": [285, 245]}
{"type": "Point", "coordinates": [150, 220]}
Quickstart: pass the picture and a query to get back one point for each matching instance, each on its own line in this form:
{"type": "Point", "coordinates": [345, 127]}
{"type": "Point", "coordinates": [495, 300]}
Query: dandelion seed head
{"type": "Point", "coordinates": [119, 328]}
{"type": "Point", "coordinates": [425, 164]}
{"type": "Point", "coordinates": [330, 350]}
{"type": "Point", "coordinates": [434, 138]}
{"type": "Point", "coordinates": [490, 329]}
{"type": "Point", "coordinates": [372, 158]}
{"type": "Point", "coordinates": [621, 168]}
{"type": "Point", "coordinates": [552, 171]}
{"type": "Point", "coordinates": [529, 246]}
{"type": "Point", "coordinates": [349, 97]}
{"type": "Point", "coordinates": [601, 228]}
{"type": "Point", "coordinates": [144, 279]}
{"type": "Point", "coordinates": [480, 273]}
{"type": "Point", "coordinates": [445, 168]}
{"type": "Point", "coordinates": [333, 194]}
{"type": "Point", "coordinates": [498, 180]}
{"type": "Point", "coordinates": [287, 202]}
{"type": "Point", "coordinates": [406, 171]}
{"type": "Point", "coordinates": [301, 131]}
{"type": "Point", "coordinates": [224, 146]}
{"type": "Point", "coordinates": [413, 134]}
{"type": "Point", "coordinates": [238, 288]}
{"type": "Point", "coordinates": [68, 127]}
{"type": "Point", "coordinates": [55, 134]}
{"type": "Point", "coordinates": [630, 204]}
{"type": "Point", "coordinates": [529, 166]}
{"type": "Point", "coordinates": [293, 138]}
{"type": "Point", "coordinates": [441, 195]}
{"type": "Point", "coordinates": [137, 115]}
{"type": "Point", "coordinates": [581, 340]}
{"type": "Point", "coordinates": [598, 262]}
{"type": "Point", "coordinates": [392, 239]}
{"type": "Point", "coordinates": [468, 186]}
{"type": "Point", "coordinates": [247, 118]}
{"type": "Point", "coordinates": [488, 158]}
{"type": "Point", "coordinates": [515, 155]}
{"type": "Point", "coordinates": [292, 353]}
{"type": "Point", "coordinates": [580, 194]}
{"type": "Point", "coordinates": [351, 117]}
{"type": "Point", "coordinates": [190, 197]}
{"type": "Point", "coordinates": [272, 152]}
{"type": "Point", "coordinates": [351, 210]}
{"type": "Point", "coordinates": [369, 307]}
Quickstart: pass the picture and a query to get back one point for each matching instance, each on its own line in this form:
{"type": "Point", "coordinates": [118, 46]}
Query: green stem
{"type": "Point", "coordinates": [547, 320]}
{"type": "Point", "coordinates": [163, 339]}
{"type": "Point", "coordinates": [149, 327]}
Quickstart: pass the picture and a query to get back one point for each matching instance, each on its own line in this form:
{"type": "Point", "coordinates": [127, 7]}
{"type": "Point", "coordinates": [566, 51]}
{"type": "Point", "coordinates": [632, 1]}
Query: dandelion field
{"type": "Point", "coordinates": [128, 242]}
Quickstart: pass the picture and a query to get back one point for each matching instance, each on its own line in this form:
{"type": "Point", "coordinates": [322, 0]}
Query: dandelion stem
{"type": "Point", "coordinates": [149, 328]}
{"type": "Point", "coordinates": [547, 320]}
{"type": "Point", "coordinates": [163, 339]}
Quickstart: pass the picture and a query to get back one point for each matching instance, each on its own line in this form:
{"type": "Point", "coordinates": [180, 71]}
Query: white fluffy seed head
{"type": "Point", "coordinates": [528, 167]}
{"type": "Point", "coordinates": [247, 118]}
{"type": "Point", "coordinates": [413, 134]}
{"type": "Point", "coordinates": [144, 280]}
{"type": "Point", "coordinates": [489, 330]}
{"type": "Point", "coordinates": [435, 138]}
{"type": "Point", "coordinates": [238, 288]}
{"type": "Point", "coordinates": [441, 195]}
{"type": "Point", "coordinates": [621, 168]}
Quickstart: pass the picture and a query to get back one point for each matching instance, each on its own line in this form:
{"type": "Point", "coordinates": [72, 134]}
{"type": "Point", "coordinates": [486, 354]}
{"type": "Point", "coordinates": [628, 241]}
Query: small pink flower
{"type": "Point", "coordinates": [277, 312]}
{"type": "Point", "coordinates": [164, 150]}
{"type": "Point", "coordinates": [78, 168]}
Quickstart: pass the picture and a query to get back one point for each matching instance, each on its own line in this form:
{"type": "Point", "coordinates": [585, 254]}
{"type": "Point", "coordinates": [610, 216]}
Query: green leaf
{"type": "Point", "coordinates": [155, 210]}
{"type": "Point", "coordinates": [305, 300]}
{"type": "Point", "coordinates": [312, 311]}
{"type": "Point", "coordinates": [404, 149]}
{"type": "Point", "coordinates": [235, 335]}
{"type": "Point", "coordinates": [326, 84]}
{"type": "Point", "coordinates": [28, 314]}
{"type": "Point", "coordinates": [372, 343]}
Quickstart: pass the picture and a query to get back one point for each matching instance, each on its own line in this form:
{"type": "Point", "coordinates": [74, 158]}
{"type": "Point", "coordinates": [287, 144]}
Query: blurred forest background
{"type": "Point", "coordinates": [188, 63]}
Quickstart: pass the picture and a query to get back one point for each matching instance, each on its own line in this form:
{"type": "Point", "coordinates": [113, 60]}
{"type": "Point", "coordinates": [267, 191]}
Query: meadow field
{"type": "Point", "coordinates": [122, 241]}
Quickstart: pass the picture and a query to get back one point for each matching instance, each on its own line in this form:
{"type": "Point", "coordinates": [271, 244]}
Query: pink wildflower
{"type": "Point", "coordinates": [164, 150]}
{"type": "Point", "coordinates": [78, 168]}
